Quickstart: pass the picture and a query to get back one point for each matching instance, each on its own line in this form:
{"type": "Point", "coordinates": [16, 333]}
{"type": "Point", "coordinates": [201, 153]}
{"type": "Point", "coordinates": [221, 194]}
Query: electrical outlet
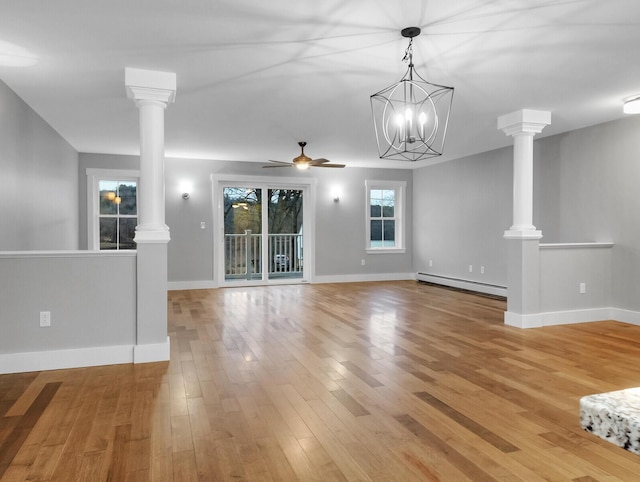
{"type": "Point", "coordinates": [363, 262]}
{"type": "Point", "coordinates": [45, 318]}
{"type": "Point", "coordinates": [481, 269]}
{"type": "Point", "coordinates": [470, 268]}
{"type": "Point", "coordinates": [202, 225]}
{"type": "Point", "coordinates": [583, 288]}
{"type": "Point", "coordinates": [430, 263]}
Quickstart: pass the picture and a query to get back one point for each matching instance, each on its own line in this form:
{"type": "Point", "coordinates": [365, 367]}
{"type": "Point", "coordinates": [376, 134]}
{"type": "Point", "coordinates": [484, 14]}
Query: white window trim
{"type": "Point", "coordinates": [400, 188]}
{"type": "Point", "coordinates": [93, 206]}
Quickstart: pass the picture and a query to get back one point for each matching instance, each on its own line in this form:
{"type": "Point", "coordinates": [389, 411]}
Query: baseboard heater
{"type": "Point", "coordinates": [477, 286]}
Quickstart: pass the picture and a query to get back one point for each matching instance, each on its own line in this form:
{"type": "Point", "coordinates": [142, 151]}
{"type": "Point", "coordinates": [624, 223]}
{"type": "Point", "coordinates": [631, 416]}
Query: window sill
{"type": "Point", "coordinates": [386, 250]}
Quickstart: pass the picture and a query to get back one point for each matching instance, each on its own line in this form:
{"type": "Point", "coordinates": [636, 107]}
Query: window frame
{"type": "Point", "coordinates": [399, 187]}
{"type": "Point", "coordinates": [94, 176]}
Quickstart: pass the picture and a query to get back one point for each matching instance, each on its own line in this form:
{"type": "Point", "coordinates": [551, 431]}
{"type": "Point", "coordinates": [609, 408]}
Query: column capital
{"type": "Point", "coordinates": [524, 121]}
{"type": "Point", "coordinates": [150, 85]}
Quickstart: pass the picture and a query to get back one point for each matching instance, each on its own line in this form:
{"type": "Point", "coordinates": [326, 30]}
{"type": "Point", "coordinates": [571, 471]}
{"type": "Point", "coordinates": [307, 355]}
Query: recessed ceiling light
{"type": "Point", "coordinates": [632, 105]}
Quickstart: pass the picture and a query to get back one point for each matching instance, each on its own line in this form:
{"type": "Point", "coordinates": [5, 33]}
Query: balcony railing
{"type": "Point", "coordinates": [243, 256]}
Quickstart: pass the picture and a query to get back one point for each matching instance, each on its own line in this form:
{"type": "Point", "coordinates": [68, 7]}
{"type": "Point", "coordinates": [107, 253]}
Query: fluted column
{"type": "Point", "coordinates": [151, 92]}
{"type": "Point", "coordinates": [523, 250]}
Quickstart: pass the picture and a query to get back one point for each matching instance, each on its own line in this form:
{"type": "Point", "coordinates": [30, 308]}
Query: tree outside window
{"type": "Point", "coordinates": [118, 214]}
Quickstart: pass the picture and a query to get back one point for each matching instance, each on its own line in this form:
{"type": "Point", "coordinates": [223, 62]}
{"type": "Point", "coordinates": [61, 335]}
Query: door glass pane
{"type": "Point", "coordinates": [285, 233]}
{"type": "Point", "coordinates": [242, 233]}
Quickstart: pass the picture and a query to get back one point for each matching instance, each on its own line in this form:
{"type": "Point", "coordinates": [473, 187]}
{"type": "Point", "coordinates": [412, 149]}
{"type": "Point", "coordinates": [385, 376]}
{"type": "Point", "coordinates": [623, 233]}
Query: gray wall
{"type": "Point", "coordinates": [461, 210]}
{"type": "Point", "coordinates": [599, 171]}
{"type": "Point", "coordinates": [39, 176]}
{"type": "Point", "coordinates": [91, 297]}
{"type": "Point", "coordinates": [585, 190]}
{"type": "Point", "coordinates": [339, 230]}
{"type": "Point", "coordinates": [340, 227]}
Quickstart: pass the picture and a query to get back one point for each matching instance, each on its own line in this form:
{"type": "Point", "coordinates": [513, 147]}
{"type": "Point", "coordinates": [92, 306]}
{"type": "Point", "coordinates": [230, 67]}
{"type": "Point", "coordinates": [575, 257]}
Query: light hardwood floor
{"type": "Point", "coordinates": [364, 381]}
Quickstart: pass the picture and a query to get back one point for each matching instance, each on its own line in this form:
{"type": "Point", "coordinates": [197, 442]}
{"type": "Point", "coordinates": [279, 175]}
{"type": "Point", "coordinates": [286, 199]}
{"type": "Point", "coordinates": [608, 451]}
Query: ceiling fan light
{"type": "Point", "coordinates": [302, 166]}
{"type": "Point", "coordinates": [632, 105]}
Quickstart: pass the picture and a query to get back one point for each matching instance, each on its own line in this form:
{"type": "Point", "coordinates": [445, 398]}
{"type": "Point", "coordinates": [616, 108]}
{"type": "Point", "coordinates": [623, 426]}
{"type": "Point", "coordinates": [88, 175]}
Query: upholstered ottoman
{"type": "Point", "coordinates": [613, 416]}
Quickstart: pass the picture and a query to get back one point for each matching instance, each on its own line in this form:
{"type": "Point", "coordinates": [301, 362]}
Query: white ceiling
{"type": "Point", "coordinates": [256, 76]}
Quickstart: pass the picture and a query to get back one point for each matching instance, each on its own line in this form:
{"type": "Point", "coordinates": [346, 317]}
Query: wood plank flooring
{"type": "Point", "coordinates": [394, 381]}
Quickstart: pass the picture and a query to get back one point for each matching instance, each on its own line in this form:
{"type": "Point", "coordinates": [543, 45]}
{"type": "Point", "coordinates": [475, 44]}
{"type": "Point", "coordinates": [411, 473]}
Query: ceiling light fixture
{"type": "Point", "coordinates": [411, 116]}
{"type": "Point", "coordinates": [632, 105]}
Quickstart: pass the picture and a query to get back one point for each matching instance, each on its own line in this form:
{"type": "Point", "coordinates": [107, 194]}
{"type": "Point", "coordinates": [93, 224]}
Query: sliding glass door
{"type": "Point", "coordinates": [263, 234]}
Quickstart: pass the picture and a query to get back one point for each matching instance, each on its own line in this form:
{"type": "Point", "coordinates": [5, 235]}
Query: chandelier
{"type": "Point", "coordinates": [411, 116]}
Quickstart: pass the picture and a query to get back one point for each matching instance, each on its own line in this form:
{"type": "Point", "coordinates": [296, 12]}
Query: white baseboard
{"type": "Point", "coordinates": [552, 318]}
{"type": "Point", "coordinates": [191, 285]}
{"type": "Point", "coordinates": [518, 320]}
{"type": "Point", "coordinates": [59, 359]}
{"type": "Point", "coordinates": [625, 316]}
{"type": "Point", "coordinates": [463, 284]}
{"type": "Point", "coordinates": [575, 316]}
{"type": "Point", "coordinates": [36, 361]}
{"type": "Point", "coordinates": [151, 352]}
{"type": "Point", "coordinates": [360, 278]}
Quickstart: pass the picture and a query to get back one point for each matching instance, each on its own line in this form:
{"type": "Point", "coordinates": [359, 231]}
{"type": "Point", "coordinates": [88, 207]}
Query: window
{"type": "Point", "coordinates": [385, 223]}
{"type": "Point", "coordinates": [112, 209]}
{"type": "Point", "coordinates": [118, 214]}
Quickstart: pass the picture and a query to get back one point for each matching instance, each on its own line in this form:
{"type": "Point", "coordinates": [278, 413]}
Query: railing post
{"type": "Point", "coordinates": [247, 253]}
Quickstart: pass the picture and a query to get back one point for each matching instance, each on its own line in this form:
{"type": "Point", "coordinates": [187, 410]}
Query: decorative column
{"type": "Point", "coordinates": [523, 253]}
{"type": "Point", "coordinates": [151, 92]}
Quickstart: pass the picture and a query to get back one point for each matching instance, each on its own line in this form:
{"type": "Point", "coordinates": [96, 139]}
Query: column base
{"type": "Point", "coordinates": [151, 352]}
{"type": "Point", "coordinates": [523, 234]}
{"type": "Point", "coordinates": [152, 234]}
{"type": "Point", "coordinates": [519, 320]}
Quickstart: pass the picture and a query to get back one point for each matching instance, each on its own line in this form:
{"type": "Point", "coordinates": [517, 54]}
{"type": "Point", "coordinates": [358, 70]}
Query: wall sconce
{"type": "Point", "coordinates": [632, 105]}
{"type": "Point", "coordinates": [185, 188]}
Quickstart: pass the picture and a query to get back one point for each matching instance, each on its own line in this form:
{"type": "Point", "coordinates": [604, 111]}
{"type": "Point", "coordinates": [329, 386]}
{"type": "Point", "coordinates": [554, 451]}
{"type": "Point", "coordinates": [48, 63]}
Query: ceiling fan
{"type": "Point", "coordinates": [304, 162]}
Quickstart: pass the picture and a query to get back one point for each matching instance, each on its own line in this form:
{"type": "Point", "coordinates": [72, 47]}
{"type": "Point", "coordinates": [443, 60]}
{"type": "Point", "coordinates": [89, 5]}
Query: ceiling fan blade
{"type": "Point", "coordinates": [329, 165]}
{"type": "Point", "coordinates": [317, 162]}
{"type": "Point", "coordinates": [280, 164]}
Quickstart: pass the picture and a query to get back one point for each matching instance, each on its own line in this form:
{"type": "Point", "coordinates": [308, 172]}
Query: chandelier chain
{"type": "Point", "coordinates": [408, 53]}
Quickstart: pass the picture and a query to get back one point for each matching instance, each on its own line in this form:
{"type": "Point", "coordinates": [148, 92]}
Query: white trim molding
{"type": "Point", "coordinates": [94, 356]}
{"type": "Point", "coordinates": [553, 318]}
{"type": "Point", "coordinates": [61, 359]}
{"type": "Point", "coordinates": [400, 189]}
{"type": "Point", "coordinates": [152, 352]}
